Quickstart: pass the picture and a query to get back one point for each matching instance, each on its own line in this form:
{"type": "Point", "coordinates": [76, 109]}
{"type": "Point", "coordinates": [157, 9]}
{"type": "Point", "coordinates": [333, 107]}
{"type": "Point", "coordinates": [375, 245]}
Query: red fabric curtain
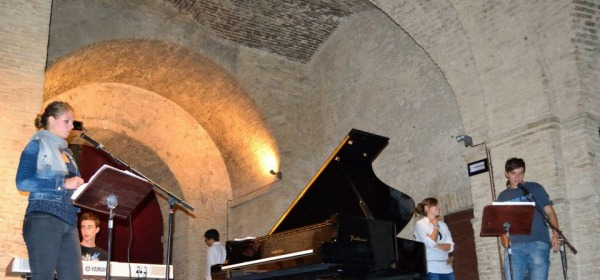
{"type": "Point", "coordinates": [146, 228]}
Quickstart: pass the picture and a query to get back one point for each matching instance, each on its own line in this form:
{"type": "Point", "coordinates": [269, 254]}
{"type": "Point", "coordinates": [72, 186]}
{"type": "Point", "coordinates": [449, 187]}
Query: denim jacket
{"type": "Point", "coordinates": [49, 185]}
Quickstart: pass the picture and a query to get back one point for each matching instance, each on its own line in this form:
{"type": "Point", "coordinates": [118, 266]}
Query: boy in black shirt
{"type": "Point", "coordinates": [90, 226]}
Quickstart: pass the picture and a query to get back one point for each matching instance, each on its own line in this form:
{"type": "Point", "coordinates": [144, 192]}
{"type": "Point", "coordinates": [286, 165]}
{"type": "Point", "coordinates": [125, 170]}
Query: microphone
{"type": "Point", "coordinates": [523, 189]}
{"type": "Point", "coordinates": [92, 141]}
{"type": "Point", "coordinates": [111, 201]}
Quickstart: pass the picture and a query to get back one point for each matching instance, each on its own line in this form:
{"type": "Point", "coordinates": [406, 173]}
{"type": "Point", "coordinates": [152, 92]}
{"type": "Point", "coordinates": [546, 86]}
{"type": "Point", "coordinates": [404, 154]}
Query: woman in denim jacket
{"type": "Point", "coordinates": [49, 173]}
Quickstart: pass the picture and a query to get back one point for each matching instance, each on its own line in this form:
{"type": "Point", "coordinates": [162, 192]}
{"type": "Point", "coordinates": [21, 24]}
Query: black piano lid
{"type": "Point", "coordinates": [331, 192]}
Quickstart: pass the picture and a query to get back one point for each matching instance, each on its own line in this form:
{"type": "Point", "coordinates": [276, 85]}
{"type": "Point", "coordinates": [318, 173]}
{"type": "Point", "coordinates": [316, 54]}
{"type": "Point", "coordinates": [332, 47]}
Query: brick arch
{"type": "Point", "coordinates": [206, 130]}
{"type": "Point", "coordinates": [212, 97]}
{"type": "Point", "coordinates": [165, 143]}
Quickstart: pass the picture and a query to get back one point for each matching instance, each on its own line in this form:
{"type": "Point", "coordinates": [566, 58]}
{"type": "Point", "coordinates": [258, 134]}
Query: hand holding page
{"type": "Point", "coordinates": [129, 189]}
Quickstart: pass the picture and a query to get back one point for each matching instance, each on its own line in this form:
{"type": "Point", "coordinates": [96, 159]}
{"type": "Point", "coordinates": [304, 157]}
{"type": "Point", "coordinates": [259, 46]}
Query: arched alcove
{"type": "Point", "coordinates": [165, 144]}
{"type": "Point", "coordinates": [195, 83]}
{"type": "Point", "coordinates": [206, 130]}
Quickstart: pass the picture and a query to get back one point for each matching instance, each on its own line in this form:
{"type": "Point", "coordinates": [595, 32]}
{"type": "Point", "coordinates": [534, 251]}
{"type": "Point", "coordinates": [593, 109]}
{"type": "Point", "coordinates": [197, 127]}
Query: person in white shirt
{"type": "Point", "coordinates": [216, 252]}
{"type": "Point", "coordinates": [437, 239]}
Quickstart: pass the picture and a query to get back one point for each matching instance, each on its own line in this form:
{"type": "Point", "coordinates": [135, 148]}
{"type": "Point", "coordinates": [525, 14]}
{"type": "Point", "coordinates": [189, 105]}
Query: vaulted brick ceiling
{"type": "Point", "coordinates": [291, 28]}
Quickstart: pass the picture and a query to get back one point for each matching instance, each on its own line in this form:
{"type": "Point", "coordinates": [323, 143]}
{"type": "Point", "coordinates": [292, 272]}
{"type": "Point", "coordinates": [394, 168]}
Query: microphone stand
{"type": "Point", "coordinates": [563, 257]}
{"type": "Point", "coordinates": [172, 197]}
{"type": "Point", "coordinates": [561, 237]}
{"type": "Point", "coordinates": [111, 203]}
{"type": "Point", "coordinates": [506, 226]}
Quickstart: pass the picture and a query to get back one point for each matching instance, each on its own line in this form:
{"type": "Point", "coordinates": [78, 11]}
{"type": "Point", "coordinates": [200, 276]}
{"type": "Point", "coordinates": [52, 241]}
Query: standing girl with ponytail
{"type": "Point", "coordinates": [47, 170]}
{"type": "Point", "coordinates": [437, 239]}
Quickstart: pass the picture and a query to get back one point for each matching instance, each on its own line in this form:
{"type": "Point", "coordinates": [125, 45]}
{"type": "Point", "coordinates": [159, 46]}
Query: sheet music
{"type": "Point", "coordinates": [264, 260]}
{"type": "Point", "coordinates": [81, 188]}
{"type": "Point", "coordinates": [245, 238]}
{"type": "Point", "coordinates": [512, 203]}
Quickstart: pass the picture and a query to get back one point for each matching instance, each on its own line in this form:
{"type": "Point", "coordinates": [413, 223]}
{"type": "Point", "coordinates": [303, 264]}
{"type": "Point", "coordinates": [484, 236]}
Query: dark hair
{"type": "Point", "coordinates": [87, 216]}
{"type": "Point", "coordinates": [430, 201]}
{"type": "Point", "coordinates": [514, 163]}
{"type": "Point", "coordinates": [54, 109]}
{"type": "Point", "coordinates": [212, 234]}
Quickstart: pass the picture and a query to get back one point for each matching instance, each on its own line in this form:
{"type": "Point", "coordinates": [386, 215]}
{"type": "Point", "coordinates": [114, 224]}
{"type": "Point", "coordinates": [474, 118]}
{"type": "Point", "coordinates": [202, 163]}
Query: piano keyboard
{"type": "Point", "coordinates": [97, 269]}
{"type": "Point", "coordinates": [269, 259]}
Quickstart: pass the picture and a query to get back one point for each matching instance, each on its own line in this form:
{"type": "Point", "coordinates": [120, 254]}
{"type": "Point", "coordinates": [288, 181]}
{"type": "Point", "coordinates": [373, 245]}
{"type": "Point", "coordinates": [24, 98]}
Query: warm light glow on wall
{"type": "Point", "coordinates": [265, 156]}
{"type": "Point", "coordinates": [269, 160]}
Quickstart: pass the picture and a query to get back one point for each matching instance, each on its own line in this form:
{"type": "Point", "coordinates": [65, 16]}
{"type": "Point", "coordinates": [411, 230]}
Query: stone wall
{"type": "Point", "coordinates": [372, 76]}
{"type": "Point", "coordinates": [521, 75]}
{"type": "Point", "coordinates": [521, 78]}
{"type": "Point", "coordinates": [23, 44]}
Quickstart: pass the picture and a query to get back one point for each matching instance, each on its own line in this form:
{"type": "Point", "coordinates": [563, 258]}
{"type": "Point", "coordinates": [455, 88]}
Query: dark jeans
{"type": "Point", "coordinates": [440, 276]}
{"type": "Point", "coordinates": [52, 245]}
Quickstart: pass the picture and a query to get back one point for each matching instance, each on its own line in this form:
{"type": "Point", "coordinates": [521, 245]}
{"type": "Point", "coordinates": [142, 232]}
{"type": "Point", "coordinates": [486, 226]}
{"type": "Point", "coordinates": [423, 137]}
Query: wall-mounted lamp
{"type": "Point", "coordinates": [278, 174]}
{"type": "Point", "coordinates": [466, 139]}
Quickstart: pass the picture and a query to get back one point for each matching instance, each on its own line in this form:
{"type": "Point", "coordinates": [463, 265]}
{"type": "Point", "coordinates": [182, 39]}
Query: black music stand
{"type": "Point", "coordinates": [108, 188]}
{"type": "Point", "coordinates": [509, 218]}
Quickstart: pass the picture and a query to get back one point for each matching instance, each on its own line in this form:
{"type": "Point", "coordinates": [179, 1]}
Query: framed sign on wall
{"type": "Point", "coordinates": [478, 167]}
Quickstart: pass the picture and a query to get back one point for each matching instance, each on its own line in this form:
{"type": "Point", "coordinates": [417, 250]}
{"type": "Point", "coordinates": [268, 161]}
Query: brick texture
{"type": "Point", "coordinates": [200, 94]}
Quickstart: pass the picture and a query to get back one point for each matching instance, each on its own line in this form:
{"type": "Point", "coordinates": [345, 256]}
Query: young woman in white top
{"type": "Point", "coordinates": [437, 239]}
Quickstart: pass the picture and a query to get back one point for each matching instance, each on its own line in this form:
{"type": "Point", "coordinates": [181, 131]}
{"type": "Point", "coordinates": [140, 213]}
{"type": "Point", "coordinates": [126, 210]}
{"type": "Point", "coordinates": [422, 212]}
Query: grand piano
{"type": "Point", "coordinates": [343, 225]}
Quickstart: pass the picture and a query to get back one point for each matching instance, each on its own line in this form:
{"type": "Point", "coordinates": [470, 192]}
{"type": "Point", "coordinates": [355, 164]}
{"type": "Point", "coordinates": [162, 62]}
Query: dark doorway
{"type": "Point", "coordinates": [136, 239]}
{"type": "Point", "coordinates": [465, 259]}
